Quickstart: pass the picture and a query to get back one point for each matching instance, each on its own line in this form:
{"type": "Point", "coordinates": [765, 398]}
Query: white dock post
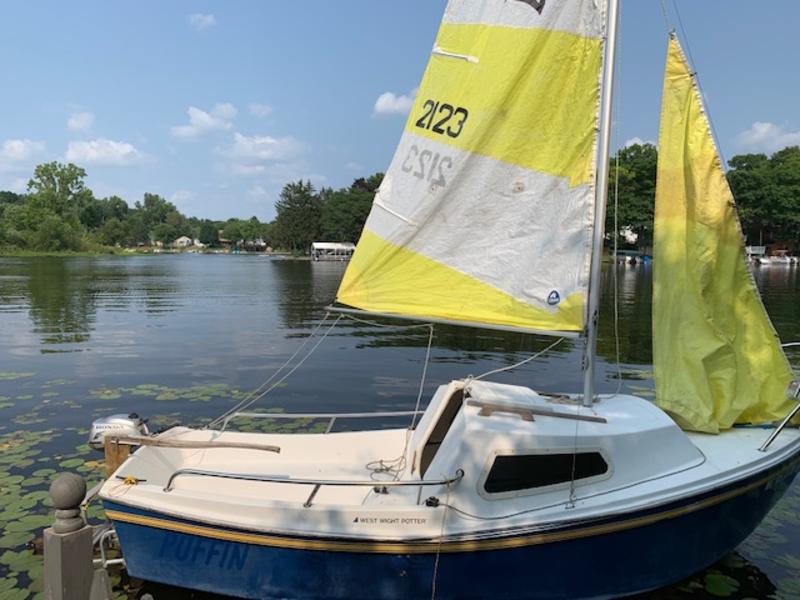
{"type": "Point", "coordinates": [68, 549]}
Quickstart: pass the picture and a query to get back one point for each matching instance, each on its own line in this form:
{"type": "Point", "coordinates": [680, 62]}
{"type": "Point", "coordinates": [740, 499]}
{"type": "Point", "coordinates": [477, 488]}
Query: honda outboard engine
{"type": "Point", "coordinates": [130, 424]}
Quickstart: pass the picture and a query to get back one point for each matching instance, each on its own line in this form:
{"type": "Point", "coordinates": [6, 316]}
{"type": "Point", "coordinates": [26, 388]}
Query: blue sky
{"type": "Point", "coordinates": [215, 105]}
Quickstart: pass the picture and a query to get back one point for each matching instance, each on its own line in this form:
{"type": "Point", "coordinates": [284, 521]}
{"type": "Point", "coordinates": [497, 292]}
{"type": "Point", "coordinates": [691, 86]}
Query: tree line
{"type": "Point", "coordinates": [766, 189]}
{"type": "Point", "coordinates": [59, 212]}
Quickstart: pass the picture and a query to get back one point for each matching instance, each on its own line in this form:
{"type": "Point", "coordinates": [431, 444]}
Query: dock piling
{"type": "Point", "coordinates": [69, 572]}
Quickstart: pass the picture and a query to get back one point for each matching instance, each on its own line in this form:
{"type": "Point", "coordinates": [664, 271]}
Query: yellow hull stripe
{"type": "Point", "coordinates": [532, 96]}
{"type": "Point", "coordinates": [385, 278]}
{"type": "Point", "coordinates": [435, 545]}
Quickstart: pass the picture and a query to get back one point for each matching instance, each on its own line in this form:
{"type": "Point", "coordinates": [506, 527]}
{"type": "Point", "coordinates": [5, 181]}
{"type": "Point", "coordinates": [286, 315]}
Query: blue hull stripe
{"type": "Point", "coordinates": [516, 539]}
{"type": "Point", "coordinates": [623, 555]}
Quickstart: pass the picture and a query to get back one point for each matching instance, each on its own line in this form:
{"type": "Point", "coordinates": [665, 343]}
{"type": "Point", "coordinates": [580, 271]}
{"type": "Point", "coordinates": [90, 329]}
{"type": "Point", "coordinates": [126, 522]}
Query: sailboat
{"type": "Point", "coordinates": [491, 215]}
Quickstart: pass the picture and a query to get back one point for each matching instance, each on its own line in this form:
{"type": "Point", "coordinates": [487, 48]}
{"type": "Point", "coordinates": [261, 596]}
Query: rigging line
{"type": "Point", "coordinates": [615, 268]}
{"type": "Point", "coordinates": [667, 22]}
{"type": "Point", "coordinates": [239, 405]}
{"type": "Point", "coordinates": [520, 363]}
{"type": "Point", "coordinates": [439, 546]}
{"type": "Point", "coordinates": [384, 325]}
{"type": "Point", "coordinates": [696, 76]}
{"type": "Point", "coordinates": [395, 466]}
{"type": "Point", "coordinates": [293, 369]}
{"type": "Point", "coordinates": [571, 501]}
{"type": "Point", "coordinates": [422, 379]}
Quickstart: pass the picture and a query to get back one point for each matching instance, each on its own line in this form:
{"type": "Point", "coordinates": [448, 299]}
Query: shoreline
{"type": "Point", "coordinates": [17, 253]}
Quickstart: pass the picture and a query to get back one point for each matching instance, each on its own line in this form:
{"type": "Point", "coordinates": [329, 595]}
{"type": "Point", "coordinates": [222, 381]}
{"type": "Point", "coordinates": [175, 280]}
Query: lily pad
{"type": "Point", "coordinates": [14, 375]}
{"type": "Point", "coordinates": [18, 561]}
{"type": "Point", "coordinates": [15, 539]}
{"type": "Point", "coordinates": [106, 394]}
{"type": "Point", "coordinates": [71, 463]}
{"type": "Point", "coordinates": [720, 585]}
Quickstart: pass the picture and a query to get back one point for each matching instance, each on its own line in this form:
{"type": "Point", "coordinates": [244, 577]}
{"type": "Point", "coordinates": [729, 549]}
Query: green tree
{"type": "Point", "coordinates": [299, 216]}
{"type": "Point", "coordinates": [637, 191]}
{"type": "Point", "coordinates": [232, 230]}
{"type": "Point", "coordinates": [154, 210]}
{"type": "Point", "coordinates": [113, 232]}
{"type": "Point", "coordinates": [165, 233]}
{"type": "Point", "coordinates": [59, 188]}
{"type": "Point", "coordinates": [208, 233]}
{"type": "Point", "coordinates": [114, 207]}
{"type": "Point", "coordinates": [767, 192]}
{"type": "Point", "coordinates": [344, 215]}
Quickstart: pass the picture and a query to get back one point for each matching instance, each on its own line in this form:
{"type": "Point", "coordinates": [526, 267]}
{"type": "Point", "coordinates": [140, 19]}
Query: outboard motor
{"type": "Point", "coordinates": [122, 424]}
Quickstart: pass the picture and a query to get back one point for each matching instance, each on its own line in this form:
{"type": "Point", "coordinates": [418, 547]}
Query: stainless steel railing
{"type": "Point", "coordinates": [331, 417]}
{"type": "Point", "coordinates": [792, 414]}
{"type": "Point", "coordinates": [317, 483]}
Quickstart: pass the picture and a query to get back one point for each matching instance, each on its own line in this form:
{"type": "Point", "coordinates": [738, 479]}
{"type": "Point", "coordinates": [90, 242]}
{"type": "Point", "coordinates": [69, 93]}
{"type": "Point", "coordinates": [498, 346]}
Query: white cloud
{"type": "Point", "coordinates": [260, 110]}
{"type": "Point", "coordinates": [17, 151]}
{"type": "Point", "coordinates": [201, 122]}
{"type": "Point", "coordinates": [103, 152]}
{"type": "Point", "coordinates": [263, 148]}
{"type": "Point", "coordinates": [181, 198]}
{"type": "Point", "coordinates": [390, 103]}
{"type": "Point", "coordinates": [80, 121]}
{"type": "Point", "coordinates": [248, 170]}
{"type": "Point", "coordinates": [634, 141]}
{"type": "Point", "coordinates": [282, 173]}
{"type": "Point", "coordinates": [767, 137]}
{"type": "Point", "coordinates": [202, 21]}
{"type": "Point", "coordinates": [257, 192]}
{"type": "Point", "coordinates": [354, 166]}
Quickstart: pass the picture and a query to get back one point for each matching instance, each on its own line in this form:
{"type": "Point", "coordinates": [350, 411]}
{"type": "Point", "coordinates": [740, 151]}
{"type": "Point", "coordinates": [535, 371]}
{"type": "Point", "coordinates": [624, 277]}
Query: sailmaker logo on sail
{"type": "Point", "coordinates": [537, 5]}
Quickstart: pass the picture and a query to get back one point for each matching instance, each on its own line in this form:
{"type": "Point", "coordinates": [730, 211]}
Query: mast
{"type": "Point", "coordinates": [601, 196]}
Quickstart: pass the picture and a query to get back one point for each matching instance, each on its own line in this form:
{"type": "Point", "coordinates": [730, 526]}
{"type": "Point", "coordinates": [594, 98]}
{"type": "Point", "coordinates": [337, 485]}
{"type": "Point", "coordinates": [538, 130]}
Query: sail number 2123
{"type": "Point", "coordinates": [442, 118]}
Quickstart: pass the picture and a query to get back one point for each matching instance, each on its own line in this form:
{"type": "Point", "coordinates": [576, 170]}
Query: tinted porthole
{"type": "Point", "coordinates": [514, 473]}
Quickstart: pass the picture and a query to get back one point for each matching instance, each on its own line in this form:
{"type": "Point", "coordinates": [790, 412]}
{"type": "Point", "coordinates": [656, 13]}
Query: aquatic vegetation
{"type": "Point", "coordinates": [14, 375]}
{"type": "Point", "coordinates": [720, 585]}
{"type": "Point", "coordinates": [106, 394]}
{"type": "Point", "coordinates": [194, 393]}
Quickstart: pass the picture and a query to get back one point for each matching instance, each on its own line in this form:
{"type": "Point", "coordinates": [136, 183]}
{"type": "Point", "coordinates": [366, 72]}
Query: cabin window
{"type": "Point", "coordinates": [522, 472]}
{"type": "Point", "coordinates": [440, 430]}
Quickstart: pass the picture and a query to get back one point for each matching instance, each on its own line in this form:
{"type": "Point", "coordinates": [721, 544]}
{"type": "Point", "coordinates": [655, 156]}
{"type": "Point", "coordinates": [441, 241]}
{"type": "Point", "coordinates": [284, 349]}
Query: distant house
{"type": "Point", "coordinates": [183, 242]}
{"type": "Point", "coordinates": [332, 250]}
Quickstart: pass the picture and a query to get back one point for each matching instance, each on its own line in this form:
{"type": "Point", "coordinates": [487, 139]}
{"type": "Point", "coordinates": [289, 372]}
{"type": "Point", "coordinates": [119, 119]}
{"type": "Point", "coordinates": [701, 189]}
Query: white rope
{"type": "Point", "coordinates": [292, 370]}
{"type": "Point", "coordinates": [422, 379]}
{"type": "Point", "coordinates": [520, 363]}
{"type": "Point", "coordinates": [244, 401]}
{"type": "Point", "coordinates": [396, 466]}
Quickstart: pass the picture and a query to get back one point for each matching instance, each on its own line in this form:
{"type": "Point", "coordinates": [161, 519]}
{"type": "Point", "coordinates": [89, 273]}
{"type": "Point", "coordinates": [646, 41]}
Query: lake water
{"type": "Point", "coordinates": [178, 338]}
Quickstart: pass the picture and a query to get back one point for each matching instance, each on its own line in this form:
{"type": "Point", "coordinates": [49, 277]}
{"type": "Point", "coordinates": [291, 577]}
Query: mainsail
{"type": "Point", "coordinates": [485, 215]}
{"type": "Point", "coordinates": [716, 356]}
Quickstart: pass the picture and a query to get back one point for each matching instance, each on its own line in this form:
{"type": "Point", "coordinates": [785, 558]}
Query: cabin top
{"type": "Point", "coordinates": [511, 441]}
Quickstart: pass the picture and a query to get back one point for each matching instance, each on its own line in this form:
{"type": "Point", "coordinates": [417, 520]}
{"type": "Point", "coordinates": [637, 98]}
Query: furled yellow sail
{"type": "Point", "coordinates": [716, 356]}
{"type": "Point", "coordinates": [485, 214]}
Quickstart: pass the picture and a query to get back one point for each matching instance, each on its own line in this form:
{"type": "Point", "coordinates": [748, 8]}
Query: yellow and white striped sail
{"type": "Point", "coordinates": [716, 356]}
{"type": "Point", "coordinates": [485, 214]}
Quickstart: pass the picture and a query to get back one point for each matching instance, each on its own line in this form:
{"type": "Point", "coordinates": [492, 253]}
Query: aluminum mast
{"type": "Point", "coordinates": [601, 196]}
